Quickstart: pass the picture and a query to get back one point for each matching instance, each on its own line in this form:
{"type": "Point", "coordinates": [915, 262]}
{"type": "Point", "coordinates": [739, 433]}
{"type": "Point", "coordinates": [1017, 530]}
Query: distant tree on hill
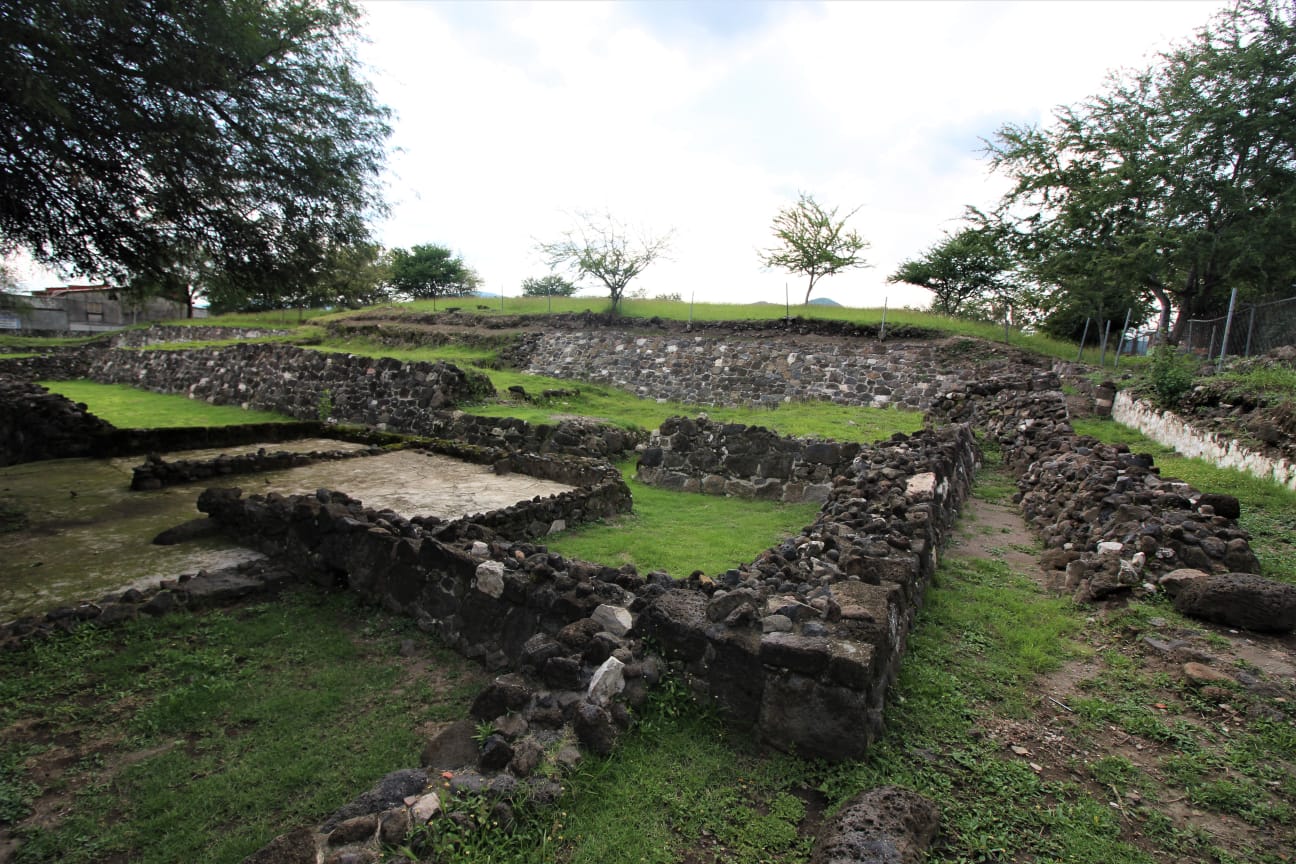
{"type": "Point", "coordinates": [552, 285]}
{"type": "Point", "coordinates": [812, 241]}
{"type": "Point", "coordinates": [964, 271]}
{"type": "Point", "coordinates": [601, 247]}
{"type": "Point", "coordinates": [430, 270]}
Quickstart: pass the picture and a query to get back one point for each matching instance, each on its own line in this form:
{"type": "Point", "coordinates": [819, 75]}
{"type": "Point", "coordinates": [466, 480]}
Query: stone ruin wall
{"type": "Point", "coordinates": [766, 369]}
{"type": "Point", "coordinates": [801, 643]}
{"type": "Point", "coordinates": [702, 456]}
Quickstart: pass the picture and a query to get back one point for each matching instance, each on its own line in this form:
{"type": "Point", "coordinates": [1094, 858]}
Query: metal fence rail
{"type": "Point", "coordinates": [1255, 329]}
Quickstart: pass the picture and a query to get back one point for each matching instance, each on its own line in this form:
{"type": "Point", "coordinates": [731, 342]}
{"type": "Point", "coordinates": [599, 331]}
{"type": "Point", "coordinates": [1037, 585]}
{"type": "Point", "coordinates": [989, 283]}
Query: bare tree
{"type": "Point", "coordinates": [601, 247]}
{"type": "Point", "coordinates": [813, 241]}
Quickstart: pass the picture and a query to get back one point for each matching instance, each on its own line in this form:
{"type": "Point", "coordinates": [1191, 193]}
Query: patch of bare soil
{"type": "Point", "coordinates": [1133, 771]}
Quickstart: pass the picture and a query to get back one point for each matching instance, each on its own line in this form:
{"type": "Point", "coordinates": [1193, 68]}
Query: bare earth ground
{"type": "Point", "coordinates": [1061, 746]}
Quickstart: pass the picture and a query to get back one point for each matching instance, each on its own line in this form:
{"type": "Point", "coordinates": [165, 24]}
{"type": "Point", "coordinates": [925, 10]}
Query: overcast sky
{"type": "Point", "coordinates": [706, 117]}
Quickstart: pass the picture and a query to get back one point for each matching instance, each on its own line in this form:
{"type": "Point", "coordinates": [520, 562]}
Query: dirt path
{"type": "Point", "coordinates": [1135, 724]}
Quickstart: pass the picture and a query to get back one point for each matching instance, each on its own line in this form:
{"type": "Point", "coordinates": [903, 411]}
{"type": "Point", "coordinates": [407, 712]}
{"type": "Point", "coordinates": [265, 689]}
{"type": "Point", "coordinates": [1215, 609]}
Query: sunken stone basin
{"type": "Point", "coordinates": [83, 533]}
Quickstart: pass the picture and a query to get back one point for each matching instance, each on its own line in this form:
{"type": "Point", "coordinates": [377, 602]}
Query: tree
{"type": "Point", "coordinates": [601, 247]}
{"type": "Point", "coordinates": [241, 133]}
{"type": "Point", "coordinates": [552, 285]}
{"type": "Point", "coordinates": [1178, 182]}
{"type": "Point", "coordinates": [964, 272]}
{"type": "Point", "coordinates": [431, 271]}
{"type": "Point", "coordinates": [814, 242]}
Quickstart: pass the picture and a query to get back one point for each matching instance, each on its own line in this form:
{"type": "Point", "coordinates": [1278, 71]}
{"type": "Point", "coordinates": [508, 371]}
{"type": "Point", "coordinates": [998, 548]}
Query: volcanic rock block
{"type": "Point", "coordinates": [886, 825]}
{"type": "Point", "coordinates": [1242, 600]}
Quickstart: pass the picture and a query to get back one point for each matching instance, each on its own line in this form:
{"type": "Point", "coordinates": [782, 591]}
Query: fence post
{"type": "Point", "coordinates": [1228, 325]}
{"type": "Point", "coordinates": [1102, 358]}
{"type": "Point", "coordinates": [1121, 343]}
{"type": "Point", "coordinates": [1210, 349]}
{"type": "Point", "coordinates": [882, 329]}
{"type": "Point", "coordinates": [1083, 335]}
{"type": "Point", "coordinates": [1250, 331]}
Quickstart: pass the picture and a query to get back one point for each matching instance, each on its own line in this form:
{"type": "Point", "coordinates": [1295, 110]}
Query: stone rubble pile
{"type": "Point", "coordinates": [1105, 515]}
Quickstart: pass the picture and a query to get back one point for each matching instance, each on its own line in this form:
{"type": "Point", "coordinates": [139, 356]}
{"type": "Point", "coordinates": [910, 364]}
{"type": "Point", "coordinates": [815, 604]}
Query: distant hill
{"type": "Point", "coordinates": [824, 301]}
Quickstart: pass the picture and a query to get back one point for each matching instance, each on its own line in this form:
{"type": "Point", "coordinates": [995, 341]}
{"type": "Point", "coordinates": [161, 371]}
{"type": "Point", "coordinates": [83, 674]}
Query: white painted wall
{"type": "Point", "coordinates": [1173, 431]}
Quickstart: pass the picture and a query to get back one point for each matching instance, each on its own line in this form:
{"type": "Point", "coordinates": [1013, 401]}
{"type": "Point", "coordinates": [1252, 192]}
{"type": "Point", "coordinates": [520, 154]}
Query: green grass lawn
{"type": "Point", "coordinates": [198, 738]}
{"type": "Point", "coordinates": [681, 532]}
{"type": "Point", "coordinates": [131, 408]}
{"type": "Point", "coordinates": [1268, 509]}
{"type": "Point", "coordinates": [599, 401]}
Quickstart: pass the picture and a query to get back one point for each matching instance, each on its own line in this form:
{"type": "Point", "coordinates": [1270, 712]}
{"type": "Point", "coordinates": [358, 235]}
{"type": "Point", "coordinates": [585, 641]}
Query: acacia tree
{"type": "Point", "coordinates": [429, 270]}
{"type": "Point", "coordinates": [814, 242]}
{"type": "Point", "coordinates": [600, 247]}
{"type": "Point", "coordinates": [242, 132]}
{"type": "Point", "coordinates": [1178, 182]}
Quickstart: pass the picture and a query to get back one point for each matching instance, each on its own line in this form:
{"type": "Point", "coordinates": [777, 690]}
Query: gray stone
{"type": "Point", "coordinates": [886, 825]}
{"type": "Point", "coordinates": [1242, 600]}
{"type": "Point", "coordinates": [1175, 581]}
{"type": "Point", "coordinates": [594, 728]}
{"type": "Point", "coordinates": [452, 748]}
{"type": "Point", "coordinates": [608, 680]}
{"type": "Point", "coordinates": [616, 620]}
{"type": "Point", "coordinates": [395, 825]}
{"type": "Point", "coordinates": [388, 792]}
{"type": "Point", "coordinates": [354, 830]}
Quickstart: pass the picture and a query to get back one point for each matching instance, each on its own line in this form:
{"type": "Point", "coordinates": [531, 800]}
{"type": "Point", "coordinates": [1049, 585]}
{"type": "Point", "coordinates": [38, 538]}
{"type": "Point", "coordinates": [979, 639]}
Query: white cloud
{"type": "Point", "coordinates": [708, 118]}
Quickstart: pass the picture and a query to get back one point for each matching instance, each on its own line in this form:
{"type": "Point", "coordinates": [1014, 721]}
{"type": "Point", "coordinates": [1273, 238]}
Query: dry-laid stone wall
{"type": "Point", "coordinates": [157, 334]}
{"type": "Point", "coordinates": [414, 398]}
{"type": "Point", "coordinates": [158, 472]}
{"type": "Point", "coordinates": [37, 424]}
{"type": "Point", "coordinates": [386, 393]}
{"type": "Point", "coordinates": [698, 455]}
{"type": "Point", "coordinates": [802, 643]}
{"type": "Point", "coordinates": [60, 365]}
{"type": "Point", "coordinates": [765, 370]}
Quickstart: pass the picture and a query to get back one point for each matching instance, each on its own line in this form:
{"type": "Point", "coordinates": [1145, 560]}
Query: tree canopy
{"type": "Point", "coordinates": [964, 271]}
{"type": "Point", "coordinates": [241, 134]}
{"type": "Point", "coordinates": [1176, 183]}
{"type": "Point", "coordinates": [600, 247]}
{"type": "Point", "coordinates": [812, 241]}
{"type": "Point", "coordinates": [551, 285]}
{"type": "Point", "coordinates": [430, 270]}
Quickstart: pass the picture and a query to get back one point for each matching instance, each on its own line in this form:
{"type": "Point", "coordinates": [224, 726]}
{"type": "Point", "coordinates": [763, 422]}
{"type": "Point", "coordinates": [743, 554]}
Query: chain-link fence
{"type": "Point", "coordinates": [1255, 329]}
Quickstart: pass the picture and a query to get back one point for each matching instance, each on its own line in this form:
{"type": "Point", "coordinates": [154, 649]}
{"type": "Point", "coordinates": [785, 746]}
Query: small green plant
{"type": "Point", "coordinates": [324, 408]}
{"type": "Point", "coordinates": [1169, 375]}
{"type": "Point", "coordinates": [482, 731]}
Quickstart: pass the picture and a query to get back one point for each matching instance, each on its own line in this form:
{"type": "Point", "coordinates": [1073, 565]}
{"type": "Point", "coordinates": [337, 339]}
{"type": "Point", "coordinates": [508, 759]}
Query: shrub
{"type": "Point", "coordinates": [1169, 375]}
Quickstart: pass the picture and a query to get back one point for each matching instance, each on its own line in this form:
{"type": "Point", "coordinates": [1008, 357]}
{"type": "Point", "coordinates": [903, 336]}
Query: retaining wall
{"type": "Point", "coordinates": [765, 370]}
{"type": "Point", "coordinates": [1174, 431]}
{"type": "Point", "coordinates": [697, 455]}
